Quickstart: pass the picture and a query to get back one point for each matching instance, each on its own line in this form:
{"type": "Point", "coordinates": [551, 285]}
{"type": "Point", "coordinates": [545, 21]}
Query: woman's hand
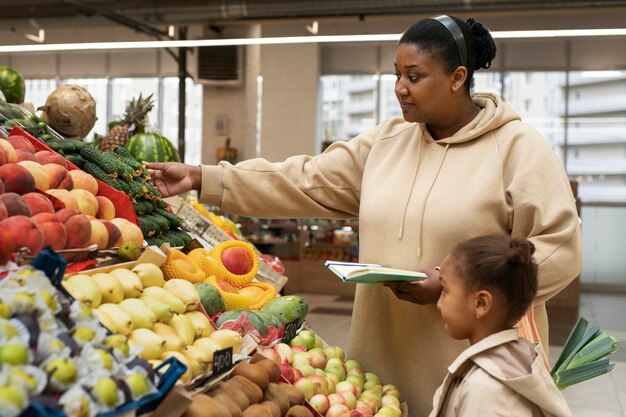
{"type": "Point", "coordinates": [173, 178]}
{"type": "Point", "coordinates": [422, 292]}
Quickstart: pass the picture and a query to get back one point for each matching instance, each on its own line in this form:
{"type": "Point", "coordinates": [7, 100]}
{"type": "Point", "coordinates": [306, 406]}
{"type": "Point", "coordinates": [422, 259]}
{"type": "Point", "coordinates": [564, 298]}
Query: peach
{"type": "Point", "coordinates": [7, 246]}
{"type": "Point", "coordinates": [17, 179]}
{"type": "Point", "coordinates": [106, 209]}
{"type": "Point", "coordinates": [130, 231]}
{"type": "Point", "coordinates": [67, 198]}
{"type": "Point", "coordinates": [2, 190]}
{"type": "Point", "coordinates": [84, 181]}
{"type": "Point", "coordinates": [24, 155]}
{"type": "Point", "coordinates": [42, 182]}
{"type": "Point", "coordinates": [15, 205]}
{"type": "Point", "coordinates": [64, 214]}
{"type": "Point", "coordinates": [53, 230]}
{"type": "Point", "coordinates": [24, 232]}
{"type": "Point", "coordinates": [8, 150]}
{"type": "Point", "coordinates": [38, 203]}
{"type": "Point", "coordinates": [3, 159]}
{"type": "Point", "coordinates": [115, 236]}
{"type": "Point", "coordinates": [87, 202]}
{"type": "Point", "coordinates": [99, 234]}
{"type": "Point", "coordinates": [48, 157]}
{"type": "Point", "coordinates": [4, 213]}
{"type": "Point", "coordinates": [58, 176]}
{"type": "Point", "coordinates": [78, 228]}
{"type": "Point", "coordinates": [20, 142]}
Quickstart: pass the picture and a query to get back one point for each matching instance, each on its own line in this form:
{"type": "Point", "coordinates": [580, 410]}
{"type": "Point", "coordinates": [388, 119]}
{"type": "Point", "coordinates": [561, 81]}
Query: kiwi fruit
{"type": "Point", "coordinates": [229, 403]}
{"type": "Point", "coordinates": [299, 411]}
{"type": "Point", "coordinates": [296, 397]}
{"type": "Point", "coordinates": [273, 408]}
{"type": "Point", "coordinates": [253, 372]}
{"type": "Point", "coordinates": [256, 410]}
{"type": "Point", "coordinates": [271, 369]}
{"type": "Point", "coordinates": [275, 394]}
{"type": "Point", "coordinates": [205, 406]}
{"type": "Point", "coordinates": [252, 390]}
{"type": "Point", "coordinates": [233, 393]}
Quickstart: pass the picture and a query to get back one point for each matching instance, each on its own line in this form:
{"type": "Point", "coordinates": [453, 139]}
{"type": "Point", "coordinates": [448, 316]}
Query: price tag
{"type": "Point", "coordinates": [222, 361]}
{"type": "Point", "coordinates": [193, 244]}
{"type": "Point", "coordinates": [290, 331]}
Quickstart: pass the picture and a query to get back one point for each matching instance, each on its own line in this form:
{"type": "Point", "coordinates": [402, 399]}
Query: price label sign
{"type": "Point", "coordinates": [193, 244]}
{"type": "Point", "coordinates": [290, 331]}
{"type": "Point", "coordinates": [222, 361]}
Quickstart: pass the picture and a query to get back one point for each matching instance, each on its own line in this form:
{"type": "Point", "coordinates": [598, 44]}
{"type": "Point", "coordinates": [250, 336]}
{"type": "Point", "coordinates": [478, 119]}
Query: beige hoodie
{"type": "Point", "coordinates": [416, 198]}
{"type": "Point", "coordinates": [499, 376]}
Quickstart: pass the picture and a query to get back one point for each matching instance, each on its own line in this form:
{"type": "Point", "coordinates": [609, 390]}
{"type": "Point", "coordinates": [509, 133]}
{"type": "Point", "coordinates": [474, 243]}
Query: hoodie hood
{"type": "Point", "coordinates": [519, 365]}
{"type": "Point", "coordinates": [494, 113]}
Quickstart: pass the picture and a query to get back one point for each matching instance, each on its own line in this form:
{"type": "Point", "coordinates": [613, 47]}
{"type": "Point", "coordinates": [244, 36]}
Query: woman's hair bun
{"type": "Point", "coordinates": [521, 251]}
{"type": "Point", "coordinates": [484, 45]}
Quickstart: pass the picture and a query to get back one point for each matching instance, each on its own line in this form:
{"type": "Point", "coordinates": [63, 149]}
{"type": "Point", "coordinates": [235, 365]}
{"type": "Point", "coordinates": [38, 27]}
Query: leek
{"type": "Point", "coordinates": [584, 355]}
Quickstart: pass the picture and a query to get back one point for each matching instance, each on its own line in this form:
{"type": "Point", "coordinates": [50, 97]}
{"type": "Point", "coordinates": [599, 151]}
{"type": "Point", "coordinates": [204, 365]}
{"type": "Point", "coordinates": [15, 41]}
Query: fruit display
{"type": "Point", "coordinates": [159, 317]}
{"type": "Point", "coordinates": [43, 203]}
{"type": "Point", "coordinates": [331, 384]}
{"type": "Point", "coordinates": [70, 110]}
{"type": "Point", "coordinates": [53, 352]}
{"type": "Point", "coordinates": [12, 84]}
{"type": "Point", "coordinates": [253, 389]}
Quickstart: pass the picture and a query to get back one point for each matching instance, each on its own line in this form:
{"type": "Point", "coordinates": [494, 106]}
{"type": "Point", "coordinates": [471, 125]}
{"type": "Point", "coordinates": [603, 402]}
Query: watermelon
{"type": "Point", "coordinates": [152, 147]}
{"type": "Point", "coordinates": [12, 85]}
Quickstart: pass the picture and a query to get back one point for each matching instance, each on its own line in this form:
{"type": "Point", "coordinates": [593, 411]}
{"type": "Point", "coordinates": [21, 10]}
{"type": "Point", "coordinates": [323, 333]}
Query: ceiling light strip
{"type": "Point", "coordinates": [93, 46]}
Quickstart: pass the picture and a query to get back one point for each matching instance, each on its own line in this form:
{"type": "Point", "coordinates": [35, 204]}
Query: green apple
{"type": "Point", "coordinates": [105, 359]}
{"type": "Point", "coordinates": [138, 384]}
{"type": "Point", "coordinates": [83, 334]}
{"type": "Point", "coordinates": [105, 391]}
{"type": "Point", "coordinates": [62, 371]}
{"type": "Point", "coordinates": [19, 376]}
{"type": "Point", "coordinates": [13, 395]}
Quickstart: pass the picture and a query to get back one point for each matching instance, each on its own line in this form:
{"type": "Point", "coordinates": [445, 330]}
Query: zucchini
{"type": "Point", "coordinates": [163, 223]}
{"type": "Point", "coordinates": [174, 220]}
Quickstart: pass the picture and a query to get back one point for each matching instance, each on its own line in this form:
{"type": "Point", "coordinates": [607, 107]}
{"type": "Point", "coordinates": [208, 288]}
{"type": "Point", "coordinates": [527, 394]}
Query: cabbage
{"type": "Point", "coordinates": [70, 110]}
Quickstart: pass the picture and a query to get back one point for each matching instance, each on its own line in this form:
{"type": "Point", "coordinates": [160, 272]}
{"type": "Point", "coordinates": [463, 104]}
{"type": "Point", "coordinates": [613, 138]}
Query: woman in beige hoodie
{"type": "Point", "coordinates": [457, 165]}
{"type": "Point", "coordinates": [487, 283]}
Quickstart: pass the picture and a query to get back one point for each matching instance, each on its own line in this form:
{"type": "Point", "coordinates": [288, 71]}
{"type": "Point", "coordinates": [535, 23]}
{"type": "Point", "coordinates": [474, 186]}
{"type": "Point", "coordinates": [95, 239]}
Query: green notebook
{"type": "Point", "coordinates": [371, 273]}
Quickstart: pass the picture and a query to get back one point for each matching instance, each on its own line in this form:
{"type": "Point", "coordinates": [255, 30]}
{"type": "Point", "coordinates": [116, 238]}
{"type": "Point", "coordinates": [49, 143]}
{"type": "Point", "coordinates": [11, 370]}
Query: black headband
{"type": "Point", "coordinates": [457, 35]}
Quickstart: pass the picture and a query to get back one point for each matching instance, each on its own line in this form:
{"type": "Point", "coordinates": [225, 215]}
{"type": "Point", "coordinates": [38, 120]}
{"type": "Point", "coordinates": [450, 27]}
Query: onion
{"type": "Point", "coordinates": [70, 110]}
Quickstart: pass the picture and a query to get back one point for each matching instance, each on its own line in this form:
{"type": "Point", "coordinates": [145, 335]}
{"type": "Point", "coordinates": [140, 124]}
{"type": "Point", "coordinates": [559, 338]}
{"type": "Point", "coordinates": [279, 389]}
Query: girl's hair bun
{"type": "Point", "coordinates": [521, 251]}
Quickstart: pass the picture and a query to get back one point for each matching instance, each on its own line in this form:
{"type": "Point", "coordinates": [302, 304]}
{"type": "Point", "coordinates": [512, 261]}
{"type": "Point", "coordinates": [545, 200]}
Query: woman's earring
{"type": "Point", "coordinates": [477, 318]}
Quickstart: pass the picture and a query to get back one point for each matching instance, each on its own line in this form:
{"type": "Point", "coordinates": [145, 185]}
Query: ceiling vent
{"type": "Point", "coordinates": [220, 66]}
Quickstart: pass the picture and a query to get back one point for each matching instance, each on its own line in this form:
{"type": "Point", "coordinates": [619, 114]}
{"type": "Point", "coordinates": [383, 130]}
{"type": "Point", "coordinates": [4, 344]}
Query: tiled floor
{"type": "Point", "coordinates": [604, 396]}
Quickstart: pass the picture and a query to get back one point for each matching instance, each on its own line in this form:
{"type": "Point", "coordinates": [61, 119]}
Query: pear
{"type": "Point", "coordinates": [162, 310]}
{"type": "Point", "coordinates": [186, 377]}
{"type": "Point", "coordinates": [172, 339]}
{"type": "Point", "coordinates": [19, 377]}
{"type": "Point", "coordinates": [83, 288]}
{"type": "Point", "coordinates": [200, 322]}
{"type": "Point", "coordinates": [228, 338]}
{"type": "Point", "coordinates": [208, 345]}
{"type": "Point", "coordinates": [200, 356]}
{"type": "Point", "coordinates": [5, 311]}
{"type": "Point", "coordinates": [50, 299]}
{"type": "Point", "coordinates": [152, 344]}
{"type": "Point", "coordinates": [185, 291]}
{"type": "Point", "coordinates": [105, 391]}
{"type": "Point", "coordinates": [14, 354]}
{"type": "Point", "coordinates": [138, 384]}
{"type": "Point", "coordinates": [121, 320]}
{"type": "Point", "coordinates": [130, 282]}
{"type": "Point", "coordinates": [83, 334]}
{"type": "Point", "coordinates": [166, 297]}
{"type": "Point", "coordinates": [139, 313]}
{"type": "Point", "coordinates": [110, 287]}
{"type": "Point", "coordinates": [118, 342]}
{"type": "Point", "coordinates": [22, 302]}
{"type": "Point", "coordinates": [106, 360]}
{"type": "Point", "coordinates": [13, 395]}
{"type": "Point", "coordinates": [61, 371]}
{"type": "Point", "coordinates": [184, 327]}
{"type": "Point", "coordinates": [149, 274]}
{"type": "Point", "coordinates": [106, 321]}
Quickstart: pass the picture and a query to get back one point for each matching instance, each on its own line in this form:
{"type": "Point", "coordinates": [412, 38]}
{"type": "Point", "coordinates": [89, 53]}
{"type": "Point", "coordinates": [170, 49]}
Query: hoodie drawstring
{"type": "Point", "coordinates": [406, 205]}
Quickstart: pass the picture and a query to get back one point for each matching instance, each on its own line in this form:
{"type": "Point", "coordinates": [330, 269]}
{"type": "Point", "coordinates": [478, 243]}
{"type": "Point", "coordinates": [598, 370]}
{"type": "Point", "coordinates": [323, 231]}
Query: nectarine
{"type": "Point", "coordinates": [42, 182]}
{"type": "Point", "coordinates": [53, 230]}
{"type": "Point", "coordinates": [130, 231]}
{"type": "Point", "coordinates": [84, 181]}
{"type": "Point", "coordinates": [58, 176]}
{"type": "Point", "coordinates": [106, 209]}
{"type": "Point", "coordinates": [24, 155]}
{"type": "Point", "coordinates": [64, 214]}
{"type": "Point", "coordinates": [15, 205]}
{"type": "Point", "coordinates": [47, 157]}
{"type": "Point", "coordinates": [99, 234]}
{"type": "Point", "coordinates": [24, 232]}
{"type": "Point", "coordinates": [7, 246]}
{"type": "Point", "coordinates": [67, 198]}
{"type": "Point", "coordinates": [38, 203]}
{"type": "Point", "coordinates": [78, 230]}
{"type": "Point", "coordinates": [20, 142]}
{"type": "Point", "coordinates": [17, 179]}
{"type": "Point", "coordinates": [115, 236]}
{"type": "Point", "coordinates": [8, 150]}
{"type": "Point", "coordinates": [87, 202]}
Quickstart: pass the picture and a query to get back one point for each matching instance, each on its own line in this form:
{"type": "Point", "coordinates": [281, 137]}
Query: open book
{"type": "Point", "coordinates": [371, 273]}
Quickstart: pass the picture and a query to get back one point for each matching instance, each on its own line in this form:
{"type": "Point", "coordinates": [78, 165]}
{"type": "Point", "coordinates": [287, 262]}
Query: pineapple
{"type": "Point", "coordinates": [135, 117]}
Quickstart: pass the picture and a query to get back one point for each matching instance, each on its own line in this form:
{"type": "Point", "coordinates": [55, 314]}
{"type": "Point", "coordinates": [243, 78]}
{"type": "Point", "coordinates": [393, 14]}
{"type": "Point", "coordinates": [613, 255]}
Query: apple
{"type": "Point", "coordinates": [335, 352]}
{"type": "Point", "coordinates": [272, 355]}
{"type": "Point", "coordinates": [306, 370]}
{"type": "Point", "coordinates": [317, 358]}
{"type": "Point", "coordinates": [390, 389]}
{"type": "Point", "coordinates": [390, 400]}
{"type": "Point", "coordinates": [335, 398]}
{"type": "Point", "coordinates": [298, 349]}
{"type": "Point", "coordinates": [349, 397]}
{"type": "Point", "coordinates": [352, 363]}
{"type": "Point", "coordinates": [338, 410]}
{"type": "Point", "coordinates": [285, 352]}
{"type": "Point", "coordinates": [286, 371]}
{"type": "Point", "coordinates": [357, 382]}
{"type": "Point", "coordinates": [306, 386]}
{"type": "Point", "coordinates": [355, 413]}
{"type": "Point", "coordinates": [367, 402]}
{"type": "Point", "coordinates": [308, 337]}
{"type": "Point", "coordinates": [296, 374]}
{"type": "Point", "coordinates": [390, 411]}
{"type": "Point", "coordinates": [335, 366]}
{"type": "Point", "coordinates": [347, 386]}
{"type": "Point", "coordinates": [300, 358]}
{"type": "Point", "coordinates": [321, 384]}
{"type": "Point", "coordinates": [365, 412]}
{"type": "Point", "coordinates": [320, 403]}
{"type": "Point", "coordinates": [372, 395]}
{"type": "Point", "coordinates": [320, 372]}
{"type": "Point", "coordinates": [369, 376]}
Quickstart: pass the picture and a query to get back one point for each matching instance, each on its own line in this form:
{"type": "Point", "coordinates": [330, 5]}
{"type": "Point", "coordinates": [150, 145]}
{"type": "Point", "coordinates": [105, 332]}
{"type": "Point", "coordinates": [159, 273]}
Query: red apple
{"type": "Point", "coordinates": [320, 403]}
{"type": "Point", "coordinates": [338, 410]}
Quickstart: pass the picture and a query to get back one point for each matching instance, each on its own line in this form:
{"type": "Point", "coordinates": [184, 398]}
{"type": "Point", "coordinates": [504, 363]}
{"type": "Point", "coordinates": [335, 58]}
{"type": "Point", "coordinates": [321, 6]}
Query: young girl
{"type": "Point", "coordinates": [487, 285]}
